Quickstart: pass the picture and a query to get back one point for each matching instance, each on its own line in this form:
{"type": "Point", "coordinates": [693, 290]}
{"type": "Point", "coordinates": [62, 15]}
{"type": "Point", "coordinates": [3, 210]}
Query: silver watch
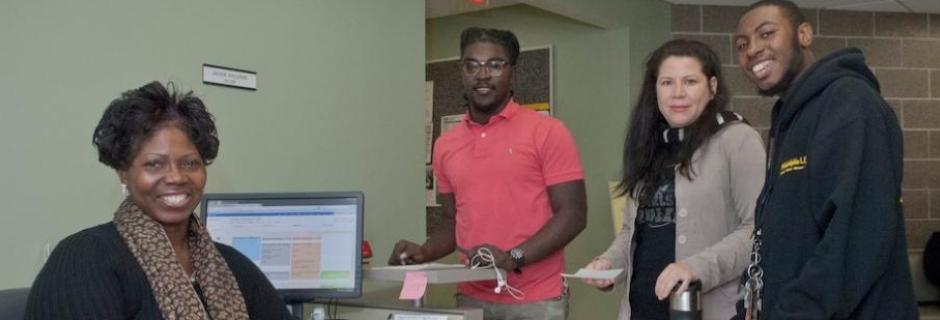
{"type": "Point", "coordinates": [518, 257]}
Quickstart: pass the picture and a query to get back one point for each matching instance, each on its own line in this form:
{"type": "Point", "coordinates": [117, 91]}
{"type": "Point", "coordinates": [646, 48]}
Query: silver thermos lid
{"type": "Point", "coordinates": [687, 305]}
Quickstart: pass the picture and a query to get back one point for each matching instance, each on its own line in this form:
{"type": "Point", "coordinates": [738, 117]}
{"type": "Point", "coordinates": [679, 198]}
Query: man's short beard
{"type": "Point", "coordinates": [794, 67]}
{"type": "Point", "coordinates": [489, 108]}
{"type": "Point", "coordinates": [484, 108]}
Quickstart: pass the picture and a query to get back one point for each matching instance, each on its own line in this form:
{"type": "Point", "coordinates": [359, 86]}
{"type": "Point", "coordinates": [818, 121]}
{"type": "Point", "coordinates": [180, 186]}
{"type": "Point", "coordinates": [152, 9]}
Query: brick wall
{"type": "Point", "coordinates": [904, 51]}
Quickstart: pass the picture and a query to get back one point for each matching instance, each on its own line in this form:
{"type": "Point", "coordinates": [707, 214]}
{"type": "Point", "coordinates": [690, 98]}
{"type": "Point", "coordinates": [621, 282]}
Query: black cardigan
{"type": "Point", "coordinates": [93, 275]}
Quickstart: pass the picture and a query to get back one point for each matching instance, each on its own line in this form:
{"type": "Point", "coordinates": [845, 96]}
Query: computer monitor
{"type": "Point", "coordinates": [307, 244]}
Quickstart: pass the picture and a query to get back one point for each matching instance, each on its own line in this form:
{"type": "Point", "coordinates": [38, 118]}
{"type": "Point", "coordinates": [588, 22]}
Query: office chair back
{"type": "Point", "coordinates": [13, 303]}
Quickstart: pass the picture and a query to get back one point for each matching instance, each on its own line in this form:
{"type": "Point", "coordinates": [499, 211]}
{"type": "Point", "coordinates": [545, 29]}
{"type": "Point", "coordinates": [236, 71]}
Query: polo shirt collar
{"type": "Point", "coordinates": [508, 112]}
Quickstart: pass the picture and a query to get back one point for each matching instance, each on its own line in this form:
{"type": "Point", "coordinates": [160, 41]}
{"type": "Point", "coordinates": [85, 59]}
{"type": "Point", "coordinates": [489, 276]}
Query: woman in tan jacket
{"type": "Point", "coordinates": [692, 172]}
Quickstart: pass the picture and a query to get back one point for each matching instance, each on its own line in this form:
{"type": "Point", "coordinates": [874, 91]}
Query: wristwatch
{"type": "Point", "coordinates": [518, 257]}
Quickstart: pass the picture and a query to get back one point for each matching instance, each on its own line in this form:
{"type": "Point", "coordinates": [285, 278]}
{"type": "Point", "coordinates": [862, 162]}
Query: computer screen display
{"type": "Point", "coordinates": [307, 244]}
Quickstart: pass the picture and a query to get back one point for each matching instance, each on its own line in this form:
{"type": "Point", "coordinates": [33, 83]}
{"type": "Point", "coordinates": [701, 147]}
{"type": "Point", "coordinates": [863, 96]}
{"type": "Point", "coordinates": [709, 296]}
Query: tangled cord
{"type": "Point", "coordinates": [484, 259]}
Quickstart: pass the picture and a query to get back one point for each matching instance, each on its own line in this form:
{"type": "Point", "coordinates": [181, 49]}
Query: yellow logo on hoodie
{"type": "Point", "coordinates": [795, 164]}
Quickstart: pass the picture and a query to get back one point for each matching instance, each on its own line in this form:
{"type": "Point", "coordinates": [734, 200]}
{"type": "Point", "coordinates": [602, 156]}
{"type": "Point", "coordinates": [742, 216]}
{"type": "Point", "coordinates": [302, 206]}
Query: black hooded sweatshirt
{"type": "Point", "coordinates": [833, 244]}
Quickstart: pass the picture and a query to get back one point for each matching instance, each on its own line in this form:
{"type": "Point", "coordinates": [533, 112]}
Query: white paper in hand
{"type": "Point", "coordinates": [609, 274]}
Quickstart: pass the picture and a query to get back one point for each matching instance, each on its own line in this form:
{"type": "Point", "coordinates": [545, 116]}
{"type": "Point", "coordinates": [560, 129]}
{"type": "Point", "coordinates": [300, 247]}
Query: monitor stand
{"type": "Point", "coordinates": [297, 311]}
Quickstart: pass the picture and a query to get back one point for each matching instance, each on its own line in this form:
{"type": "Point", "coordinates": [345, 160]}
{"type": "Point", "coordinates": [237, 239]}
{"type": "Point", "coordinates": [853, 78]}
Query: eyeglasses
{"type": "Point", "coordinates": [494, 67]}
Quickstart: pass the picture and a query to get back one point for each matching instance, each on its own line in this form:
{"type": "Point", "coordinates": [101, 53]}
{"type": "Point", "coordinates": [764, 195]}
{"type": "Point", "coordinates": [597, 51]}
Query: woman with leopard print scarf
{"type": "Point", "coordinates": [154, 260]}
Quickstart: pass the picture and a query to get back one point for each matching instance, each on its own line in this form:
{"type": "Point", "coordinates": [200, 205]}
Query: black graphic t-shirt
{"type": "Point", "coordinates": [655, 238]}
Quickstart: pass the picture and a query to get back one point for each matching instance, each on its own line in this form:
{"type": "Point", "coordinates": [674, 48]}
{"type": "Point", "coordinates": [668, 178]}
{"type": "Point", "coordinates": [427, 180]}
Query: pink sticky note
{"type": "Point", "coordinates": [414, 285]}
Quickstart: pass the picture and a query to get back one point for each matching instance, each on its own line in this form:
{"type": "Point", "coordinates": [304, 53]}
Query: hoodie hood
{"type": "Point", "coordinates": [837, 65]}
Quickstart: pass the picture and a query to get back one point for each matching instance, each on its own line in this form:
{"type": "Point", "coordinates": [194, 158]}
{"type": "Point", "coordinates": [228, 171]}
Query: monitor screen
{"type": "Point", "coordinates": [307, 244]}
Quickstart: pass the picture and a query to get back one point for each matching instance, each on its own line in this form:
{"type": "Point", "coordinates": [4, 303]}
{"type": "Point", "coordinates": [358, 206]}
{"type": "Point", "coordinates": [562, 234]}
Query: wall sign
{"type": "Point", "coordinates": [229, 77]}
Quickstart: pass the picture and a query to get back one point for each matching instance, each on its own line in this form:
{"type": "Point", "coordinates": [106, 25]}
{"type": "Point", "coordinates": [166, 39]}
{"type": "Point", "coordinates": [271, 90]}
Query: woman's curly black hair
{"type": "Point", "coordinates": [132, 118]}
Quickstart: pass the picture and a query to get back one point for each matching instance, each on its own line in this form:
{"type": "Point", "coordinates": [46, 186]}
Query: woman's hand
{"type": "Point", "coordinates": [599, 264]}
{"type": "Point", "coordinates": [672, 275]}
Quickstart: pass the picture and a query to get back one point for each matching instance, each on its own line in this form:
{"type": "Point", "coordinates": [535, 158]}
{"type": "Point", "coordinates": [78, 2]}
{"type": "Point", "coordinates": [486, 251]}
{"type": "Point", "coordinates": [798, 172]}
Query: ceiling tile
{"type": "Point", "coordinates": [928, 6]}
{"type": "Point", "coordinates": [740, 3]}
{"type": "Point", "coordinates": [918, 6]}
{"type": "Point", "coordinates": [831, 3]}
{"type": "Point", "coordinates": [886, 6]}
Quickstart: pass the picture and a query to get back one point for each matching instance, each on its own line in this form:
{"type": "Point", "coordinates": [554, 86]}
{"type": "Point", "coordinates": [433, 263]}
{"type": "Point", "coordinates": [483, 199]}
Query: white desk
{"type": "Point", "coordinates": [931, 312]}
{"type": "Point", "coordinates": [437, 273]}
{"type": "Point", "coordinates": [370, 311]}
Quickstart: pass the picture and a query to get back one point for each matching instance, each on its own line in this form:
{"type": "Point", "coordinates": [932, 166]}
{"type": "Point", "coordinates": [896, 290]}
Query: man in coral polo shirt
{"type": "Point", "coordinates": [511, 183]}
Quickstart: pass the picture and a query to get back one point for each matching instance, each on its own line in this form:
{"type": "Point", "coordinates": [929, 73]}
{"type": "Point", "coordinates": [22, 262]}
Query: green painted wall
{"type": "Point", "coordinates": [339, 106]}
{"type": "Point", "coordinates": [595, 71]}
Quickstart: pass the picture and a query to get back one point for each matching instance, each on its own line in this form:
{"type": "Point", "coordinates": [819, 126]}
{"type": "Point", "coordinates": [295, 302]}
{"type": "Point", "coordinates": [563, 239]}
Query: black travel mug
{"type": "Point", "coordinates": [687, 305]}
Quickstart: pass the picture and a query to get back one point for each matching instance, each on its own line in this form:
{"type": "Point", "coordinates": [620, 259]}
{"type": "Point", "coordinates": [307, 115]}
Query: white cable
{"type": "Point", "coordinates": [484, 259]}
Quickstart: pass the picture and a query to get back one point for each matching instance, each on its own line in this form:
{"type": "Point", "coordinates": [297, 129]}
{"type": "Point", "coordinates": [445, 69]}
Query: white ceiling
{"type": "Point", "coordinates": [600, 14]}
{"type": "Point", "coordinates": [442, 8]}
{"type": "Point", "coordinates": [918, 6]}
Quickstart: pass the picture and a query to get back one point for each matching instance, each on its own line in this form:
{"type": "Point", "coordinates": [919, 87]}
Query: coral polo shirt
{"type": "Point", "coordinates": [499, 173]}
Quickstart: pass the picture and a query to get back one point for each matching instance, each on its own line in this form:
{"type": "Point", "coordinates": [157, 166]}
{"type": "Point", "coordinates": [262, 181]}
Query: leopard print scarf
{"type": "Point", "coordinates": [172, 289]}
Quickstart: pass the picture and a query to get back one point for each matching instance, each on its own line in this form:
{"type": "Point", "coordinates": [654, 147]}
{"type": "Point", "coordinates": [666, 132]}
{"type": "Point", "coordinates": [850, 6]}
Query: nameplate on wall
{"type": "Point", "coordinates": [229, 77]}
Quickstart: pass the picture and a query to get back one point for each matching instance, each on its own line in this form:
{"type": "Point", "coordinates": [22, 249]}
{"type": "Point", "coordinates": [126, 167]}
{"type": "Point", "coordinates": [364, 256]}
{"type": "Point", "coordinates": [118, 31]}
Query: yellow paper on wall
{"type": "Point", "coordinates": [618, 205]}
{"type": "Point", "coordinates": [540, 106]}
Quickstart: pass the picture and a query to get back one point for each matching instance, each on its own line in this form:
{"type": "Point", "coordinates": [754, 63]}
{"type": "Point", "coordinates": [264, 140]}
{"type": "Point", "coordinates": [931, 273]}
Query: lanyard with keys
{"type": "Point", "coordinates": [754, 285]}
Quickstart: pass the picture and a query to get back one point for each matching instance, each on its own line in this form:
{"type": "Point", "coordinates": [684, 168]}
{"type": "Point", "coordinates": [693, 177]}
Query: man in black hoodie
{"type": "Point", "coordinates": [829, 235]}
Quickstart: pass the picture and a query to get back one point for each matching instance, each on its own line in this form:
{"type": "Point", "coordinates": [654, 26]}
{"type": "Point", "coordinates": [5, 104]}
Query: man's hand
{"type": "Point", "coordinates": [407, 252]}
{"type": "Point", "coordinates": [501, 258]}
{"type": "Point", "coordinates": [599, 264]}
{"type": "Point", "coordinates": [672, 275]}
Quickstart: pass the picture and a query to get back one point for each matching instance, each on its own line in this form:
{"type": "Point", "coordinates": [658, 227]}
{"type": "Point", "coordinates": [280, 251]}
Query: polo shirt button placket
{"type": "Point", "coordinates": [481, 145]}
